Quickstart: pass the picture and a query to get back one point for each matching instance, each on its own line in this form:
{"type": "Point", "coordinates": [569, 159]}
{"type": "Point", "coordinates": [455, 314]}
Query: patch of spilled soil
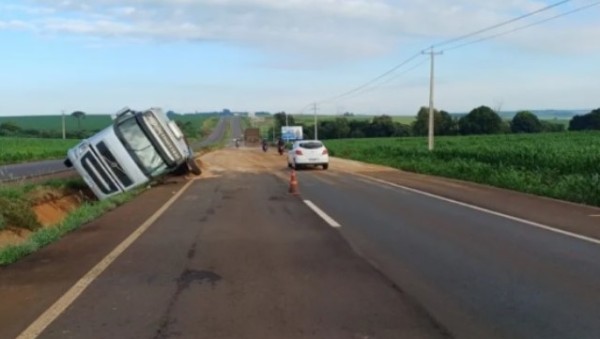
{"type": "Point", "coordinates": [51, 206]}
{"type": "Point", "coordinates": [53, 212]}
{"type": "Point", "coordinates": [13, 236]}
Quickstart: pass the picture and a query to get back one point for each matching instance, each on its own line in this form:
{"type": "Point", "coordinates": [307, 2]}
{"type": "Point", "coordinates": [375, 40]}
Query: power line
{"type": "Point", "coordinates": [446, 42]}
{"type": "Point", "coordinates": [386, 73]}
{"type": "Point", "coordinates": [579, 9]}
{"type": "Point", "coordinates": [389, 79]}
{"type": "Point", "coordinates": [498, 25]}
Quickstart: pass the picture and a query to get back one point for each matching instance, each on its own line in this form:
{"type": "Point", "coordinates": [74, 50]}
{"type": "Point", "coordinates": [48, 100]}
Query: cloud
{"type": "Point", "coordinates": [14, 25]}
{"type": "Point", "coordinates": [315, 29]}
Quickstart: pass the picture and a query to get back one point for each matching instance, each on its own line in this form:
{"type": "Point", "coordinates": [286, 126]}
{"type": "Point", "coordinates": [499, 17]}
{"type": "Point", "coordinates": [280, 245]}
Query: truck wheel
{"type": "Point", "coordinates": [68, 163]}
{"type": "Point", "coordinates": [193, 166]}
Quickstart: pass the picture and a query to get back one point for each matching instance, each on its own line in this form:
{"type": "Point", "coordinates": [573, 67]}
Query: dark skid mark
{"type": "Point", "coordinates": [184, 281]}
{"type": "Point", "coordinates": [210, 211]}
{"type": "Point", "coordinates": [275, 198]}
{"type": "Point", "coordinates": [189, 276]}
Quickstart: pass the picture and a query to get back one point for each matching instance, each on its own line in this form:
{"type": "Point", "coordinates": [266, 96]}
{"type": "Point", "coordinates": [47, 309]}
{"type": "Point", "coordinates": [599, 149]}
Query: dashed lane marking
{"type": "Point", "coordinates": [322, 214]}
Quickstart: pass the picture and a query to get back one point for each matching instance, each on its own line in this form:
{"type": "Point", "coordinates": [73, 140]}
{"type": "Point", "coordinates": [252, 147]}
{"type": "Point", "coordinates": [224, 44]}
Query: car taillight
{"type": "Point", "coordinates": [298, 152]}
{"type": "Point", "coordinates": [325, 151]}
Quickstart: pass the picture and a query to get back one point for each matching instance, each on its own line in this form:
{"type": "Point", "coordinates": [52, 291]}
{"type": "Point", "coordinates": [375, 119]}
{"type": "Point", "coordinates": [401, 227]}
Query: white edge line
{"type": "Point", "coordinates": [485, 210]}
{"type": "Point", "coordinates": [322, 214]}
{"type": "Point", "coordinates": [45, 319]}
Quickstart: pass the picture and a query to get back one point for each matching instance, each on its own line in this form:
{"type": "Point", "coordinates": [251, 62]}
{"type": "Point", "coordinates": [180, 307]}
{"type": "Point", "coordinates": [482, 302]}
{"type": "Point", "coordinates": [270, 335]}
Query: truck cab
{"type": "Point", "coordinates": [138, 147]}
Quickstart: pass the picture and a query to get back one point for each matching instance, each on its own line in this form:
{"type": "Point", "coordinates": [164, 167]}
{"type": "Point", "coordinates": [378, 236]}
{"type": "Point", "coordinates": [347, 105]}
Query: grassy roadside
{"type": "Point", "coordinates": [17, 211]}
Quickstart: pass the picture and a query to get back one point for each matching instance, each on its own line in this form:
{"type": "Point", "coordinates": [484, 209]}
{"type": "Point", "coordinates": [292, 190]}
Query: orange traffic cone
{"type": "Point", "coordinates": [293, 183]}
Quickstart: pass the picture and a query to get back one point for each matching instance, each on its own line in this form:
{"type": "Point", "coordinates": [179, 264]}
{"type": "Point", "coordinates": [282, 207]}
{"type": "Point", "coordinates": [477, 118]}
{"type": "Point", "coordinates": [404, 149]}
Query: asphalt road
{"type": "Point", "coordinates": [216, 135]}
{"type": "Point", "coordinates": [236, 256]}
{"type": "Point", "coordinates": [31, 169]}
{"type": "Point", "coordinates": [481, 275]}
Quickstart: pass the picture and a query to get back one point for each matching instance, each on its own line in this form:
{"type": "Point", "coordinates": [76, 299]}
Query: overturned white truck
{"type": "Point", "coordinates": [138, 147]}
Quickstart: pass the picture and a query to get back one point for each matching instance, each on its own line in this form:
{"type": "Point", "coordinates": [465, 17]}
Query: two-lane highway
{"type": "Point", "coordinates": [233, 255]}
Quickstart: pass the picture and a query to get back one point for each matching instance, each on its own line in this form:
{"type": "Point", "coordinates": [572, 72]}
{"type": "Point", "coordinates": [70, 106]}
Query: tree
{"type": "Point", "coordinates": [334, 129]}
{"type": "Point", "coordinates": [549, 126]}
{"type": "Point", "coordinates": [381, 126]}
{"type": "Point", "coordinates": [589, 121]}
{"type": "Point", "coordinates": [9, 127]}
{"type": "Point", "coordinates": [525, 122]}
{"type": "Point", "coordinates": [443, 123]}
{"type": "Point", "coordinates": [481, 120]}
{"type": "Point", "coordinates": [358, 128]}
{"type": "Point", "coordinates": [280, 120]}
{"type": "Point", "coordinates": [78, 115]}
{"type": "Point", "coordinates": [342, 128]}
{"type": "Point", "coordinates": [402, 130]}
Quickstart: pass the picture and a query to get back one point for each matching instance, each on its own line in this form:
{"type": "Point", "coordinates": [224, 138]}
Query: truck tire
{"type": "Point", "coordinates": [193, 166]}
{"type": "Point", "coordinates": [68, 163]}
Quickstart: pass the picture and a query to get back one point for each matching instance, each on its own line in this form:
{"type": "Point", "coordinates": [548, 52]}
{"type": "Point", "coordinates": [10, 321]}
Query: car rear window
{"type": "Point", "coordinates": [311, 144]}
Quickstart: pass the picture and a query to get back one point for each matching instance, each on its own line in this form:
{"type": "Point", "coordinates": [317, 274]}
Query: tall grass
{"type": "Point", "coordinates": [558, 165]}
{"type": "Point", "coordinates": [45, 236]}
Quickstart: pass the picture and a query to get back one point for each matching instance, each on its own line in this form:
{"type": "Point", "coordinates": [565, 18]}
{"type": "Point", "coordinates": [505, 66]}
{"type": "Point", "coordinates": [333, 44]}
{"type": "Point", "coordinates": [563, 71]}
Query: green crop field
{"type": "Point", "coordinates": [54, 122]}
{"type": "Point", "coordinates": [559, 165]}
{"type": "Point", "coordinates": [15, 150]}
{"type": "Point", "coordinates": [89, 122]}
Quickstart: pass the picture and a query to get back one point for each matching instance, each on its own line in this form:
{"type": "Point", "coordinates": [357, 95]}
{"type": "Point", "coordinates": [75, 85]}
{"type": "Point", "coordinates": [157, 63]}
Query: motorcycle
{"type": "Point", "coordinates": [280, 149]}
{"type": "Point", "coordinates": [265, 147]}
{"type": "Point", "coordinates": [237, 143]}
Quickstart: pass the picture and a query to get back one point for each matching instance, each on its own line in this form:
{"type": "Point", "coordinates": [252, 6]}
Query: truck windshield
{"type": "Point", "coordinates": [140, 147]}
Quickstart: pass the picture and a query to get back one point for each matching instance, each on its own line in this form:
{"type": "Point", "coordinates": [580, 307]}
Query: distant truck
{"type": "Point", "coordinates": [252, 136]}
{"type": "Point", "coordinates": [138, 147]}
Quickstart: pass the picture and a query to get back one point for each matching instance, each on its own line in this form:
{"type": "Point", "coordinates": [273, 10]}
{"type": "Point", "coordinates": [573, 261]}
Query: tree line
{"type": "Point", "coordinates": [480, 120]}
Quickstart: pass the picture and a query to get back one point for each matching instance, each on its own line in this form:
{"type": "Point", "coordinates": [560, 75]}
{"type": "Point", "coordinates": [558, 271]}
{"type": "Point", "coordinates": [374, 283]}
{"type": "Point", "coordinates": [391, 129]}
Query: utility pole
{"type": "Point", "coordinates": [316, 129]}
{"type": "Point", "coordinates": [286, 119]}
{"type": "Point", "coordinates": [64, 134]}
{"type": "Point", "coordinates": [432, 55]}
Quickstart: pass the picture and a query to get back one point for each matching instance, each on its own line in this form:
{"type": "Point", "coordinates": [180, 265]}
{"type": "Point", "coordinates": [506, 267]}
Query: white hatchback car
{"type": "Point", "coordinates": [308, 153]}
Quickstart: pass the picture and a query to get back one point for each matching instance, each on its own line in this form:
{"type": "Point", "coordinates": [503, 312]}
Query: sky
{"type": "Point", "coordinates": [98, 56]}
